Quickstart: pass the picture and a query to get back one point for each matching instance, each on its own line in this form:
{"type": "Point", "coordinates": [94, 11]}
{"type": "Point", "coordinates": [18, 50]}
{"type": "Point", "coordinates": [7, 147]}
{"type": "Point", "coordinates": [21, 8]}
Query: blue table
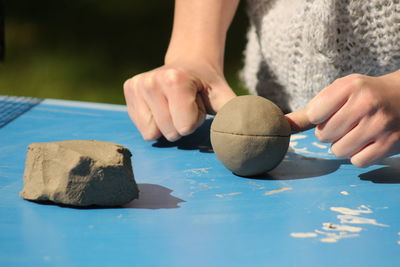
{"type": "Point", "coordinates": [313, 210]}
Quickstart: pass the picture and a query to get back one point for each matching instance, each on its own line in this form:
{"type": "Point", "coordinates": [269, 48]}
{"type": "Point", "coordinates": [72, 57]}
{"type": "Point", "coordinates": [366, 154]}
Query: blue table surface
{"type": "Point", "coordinates": [313, 210]}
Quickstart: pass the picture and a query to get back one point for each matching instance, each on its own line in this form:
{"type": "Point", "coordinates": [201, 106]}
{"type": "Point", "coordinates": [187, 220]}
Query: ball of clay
{"type": "Point", "coordinates": [250, 135]}
{"type": "Point", "coordinates": [79, 173]}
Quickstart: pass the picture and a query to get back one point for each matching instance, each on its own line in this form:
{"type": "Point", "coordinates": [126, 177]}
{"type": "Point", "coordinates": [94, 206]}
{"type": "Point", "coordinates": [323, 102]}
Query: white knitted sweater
{"type": "Point", "coordinates": [298, 47]}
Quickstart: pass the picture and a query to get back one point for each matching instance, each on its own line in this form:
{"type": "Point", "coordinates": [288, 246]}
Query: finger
{"type": "Point", "coordinates": [329, 100]}
{"type": "Point", "coordinates": [202, 110]}
{"type": "Point", "coordinates": [145, 124]}
{"type": "Point", "coordinates": [158, 105]}
{"type": "Point", "coordinates": [342, 121]}
{"type": "Point", "coordinates": [299, 121]}
{"type": "Point", "coordinates": [139, 112]}
{"type": "Point", "coordinates": [355, 140]}
{"type": "Point", "coordinates": [384, 147]}
{"type": "Point", "coordinates": [183, 101]}
{"type": "Point", "coordinates": [216, 100]}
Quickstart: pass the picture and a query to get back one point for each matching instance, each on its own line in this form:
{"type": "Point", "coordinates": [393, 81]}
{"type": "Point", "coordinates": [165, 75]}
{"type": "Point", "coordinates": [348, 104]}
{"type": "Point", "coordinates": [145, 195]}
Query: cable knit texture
{"type": "Point", "coordinates": [298, 47]}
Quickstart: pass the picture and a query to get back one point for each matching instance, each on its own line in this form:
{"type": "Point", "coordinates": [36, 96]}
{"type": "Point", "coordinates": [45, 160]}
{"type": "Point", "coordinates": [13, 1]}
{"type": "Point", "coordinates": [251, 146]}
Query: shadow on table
{"type": "Point", "coordinates": [153, 196]}
{"type": "Point", "coordinates": [390, 174]}
{"type": "Point", "coordinates": [295, 166]}
{"type": "Point", "coordinates": [200, 140]}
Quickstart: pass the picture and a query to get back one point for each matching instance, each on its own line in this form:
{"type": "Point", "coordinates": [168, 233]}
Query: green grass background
{"type": "Point", "coordinates": [85, 50]}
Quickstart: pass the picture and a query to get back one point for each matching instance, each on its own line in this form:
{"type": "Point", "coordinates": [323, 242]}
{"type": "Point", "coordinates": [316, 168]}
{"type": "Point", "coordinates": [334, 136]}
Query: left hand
{"type": "Point", "coordinates": [359, 115]}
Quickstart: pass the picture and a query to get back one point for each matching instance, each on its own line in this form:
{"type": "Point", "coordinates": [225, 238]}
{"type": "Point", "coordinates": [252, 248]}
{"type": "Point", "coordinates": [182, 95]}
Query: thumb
{"type": "Point", "coordinates": [299, 121]}
{"type": "Point", "coordinates": [215, 98]}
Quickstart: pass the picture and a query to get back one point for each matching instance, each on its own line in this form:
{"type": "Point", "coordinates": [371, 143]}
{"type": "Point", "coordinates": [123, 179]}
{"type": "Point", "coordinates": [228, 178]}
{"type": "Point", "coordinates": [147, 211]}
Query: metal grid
{"type": "Point", "coordinates": [11, 107]}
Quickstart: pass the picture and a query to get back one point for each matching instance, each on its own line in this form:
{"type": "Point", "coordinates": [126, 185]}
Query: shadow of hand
{"type": "Point", "coordinates": [389, 174]}
{"type": "Point", "coordinates": [200, 140]}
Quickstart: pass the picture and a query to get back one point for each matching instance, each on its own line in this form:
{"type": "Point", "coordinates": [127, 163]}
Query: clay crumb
{"type": "Point", "coordinates": [304, 235]}
{"type": "Point", "coordinates": [272, 192]}
{"type": "Point", "coordinates": [341, 227]}
{"type": "Point", "coordinates": [297, 137]}
{"type": "Point", "coordinates": [319, 145]}
{"type": "Point", "coordinates": [228, 194]}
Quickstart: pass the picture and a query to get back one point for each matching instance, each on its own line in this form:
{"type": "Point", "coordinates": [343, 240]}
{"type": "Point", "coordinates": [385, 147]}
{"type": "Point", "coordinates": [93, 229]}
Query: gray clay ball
{"type": "Point", "coordinates": [250, 135]}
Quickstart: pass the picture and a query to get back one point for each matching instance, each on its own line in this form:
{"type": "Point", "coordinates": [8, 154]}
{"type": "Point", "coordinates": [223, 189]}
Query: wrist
{"type": "Point", "coordinates": [195, 61]}
{"type": "Point", "coordinates": [196, 55]}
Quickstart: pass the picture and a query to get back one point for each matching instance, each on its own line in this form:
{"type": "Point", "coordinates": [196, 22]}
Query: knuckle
{"type": "Point", "coordinates": [396, 137]}
{"type": "Point", "coordinates": [354, 80]}
{"type": "Point", "coordinates": [387, 122]}
{"type": "Point", "coordinates": [339, 152]}
{"type": "Point", "coordinates": [126, 85]}
{"type": "Point", "coordinates": [129, 84]}
{"type": "Point", "coordinates": [318, 134]}
{"type": "Point", "coordinates": [351, 83]}
{"type": "Point", "coordinates": [146, 126]}
{"type": "Point", "coordinates": [135, 80]}
{"type": "Point", "coordinates": [354, 77]}
{"type": "Point", "coordinates": [312, 115]}
{"type": "Point", "coordinates": [321, 136]}
{"type": "Point", "coordinates": [150, 87]}
{"type": "Point", "coordinates": [187, 129]}
{"type": "Point", "coordinates": [150, 134]}
{"type": "Point", "coordinates": [149, 81]}
{"type": "Point", "coordinates": [172, 136]}
{"type": "Point", "coordinates": [175, 77]}
{"type": "Point", "coordinates": [148, 137]}
{"type": "Point", "coordinates": [359, 162]}
{"type": "Point", "coordinates": [369, 100]}
{"type": "Point", "coordinates": [348, 79]}
{"type": "Point", "coordinates": [324, 139]}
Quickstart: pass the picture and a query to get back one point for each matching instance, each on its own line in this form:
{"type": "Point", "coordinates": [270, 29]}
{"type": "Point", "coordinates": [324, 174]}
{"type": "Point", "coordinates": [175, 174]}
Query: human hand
{"type": "Point", "coordinates": [173, 100]}
{"type": "Point", "coordinates": [359, 115]}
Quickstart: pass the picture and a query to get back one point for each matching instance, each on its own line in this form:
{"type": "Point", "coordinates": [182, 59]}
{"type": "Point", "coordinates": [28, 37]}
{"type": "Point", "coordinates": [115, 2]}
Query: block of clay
{"type": "Point", "coordinates": [250, 135]}
{"type": "Point", "coordinates": [79, 173]}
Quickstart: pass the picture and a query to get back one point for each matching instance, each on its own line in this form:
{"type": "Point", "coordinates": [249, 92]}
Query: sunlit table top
{"type": "Point", "coordinates": [313, 210]}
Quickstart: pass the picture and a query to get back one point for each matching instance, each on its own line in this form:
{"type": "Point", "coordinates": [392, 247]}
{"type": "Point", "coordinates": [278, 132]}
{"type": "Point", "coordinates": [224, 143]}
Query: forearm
{"type": "Point", "coordinates": [199, 31]}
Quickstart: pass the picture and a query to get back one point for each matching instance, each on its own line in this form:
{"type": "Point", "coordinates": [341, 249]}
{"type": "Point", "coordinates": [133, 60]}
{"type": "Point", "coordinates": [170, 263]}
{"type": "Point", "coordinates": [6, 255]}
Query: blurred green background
{"type": "Point", "coordinates": [85, 49]}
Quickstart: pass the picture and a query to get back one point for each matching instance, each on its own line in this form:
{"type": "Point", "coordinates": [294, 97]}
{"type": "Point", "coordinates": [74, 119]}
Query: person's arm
{"type": "Point", "coordinates": [199, 31]}
{"type": "Point", "coordinates": [173, 100]}
{"type": "Point", "coordinates": [359, 115]}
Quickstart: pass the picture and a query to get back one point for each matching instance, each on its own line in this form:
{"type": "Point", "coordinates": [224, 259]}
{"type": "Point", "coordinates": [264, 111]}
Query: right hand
{"type": "Point", "coordinates": [173, 100]}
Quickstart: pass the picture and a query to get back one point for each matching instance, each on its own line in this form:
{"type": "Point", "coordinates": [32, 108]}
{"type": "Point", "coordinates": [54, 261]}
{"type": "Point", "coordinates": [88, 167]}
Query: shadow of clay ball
{"type": "Point", "coordinates": [250, 135]}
